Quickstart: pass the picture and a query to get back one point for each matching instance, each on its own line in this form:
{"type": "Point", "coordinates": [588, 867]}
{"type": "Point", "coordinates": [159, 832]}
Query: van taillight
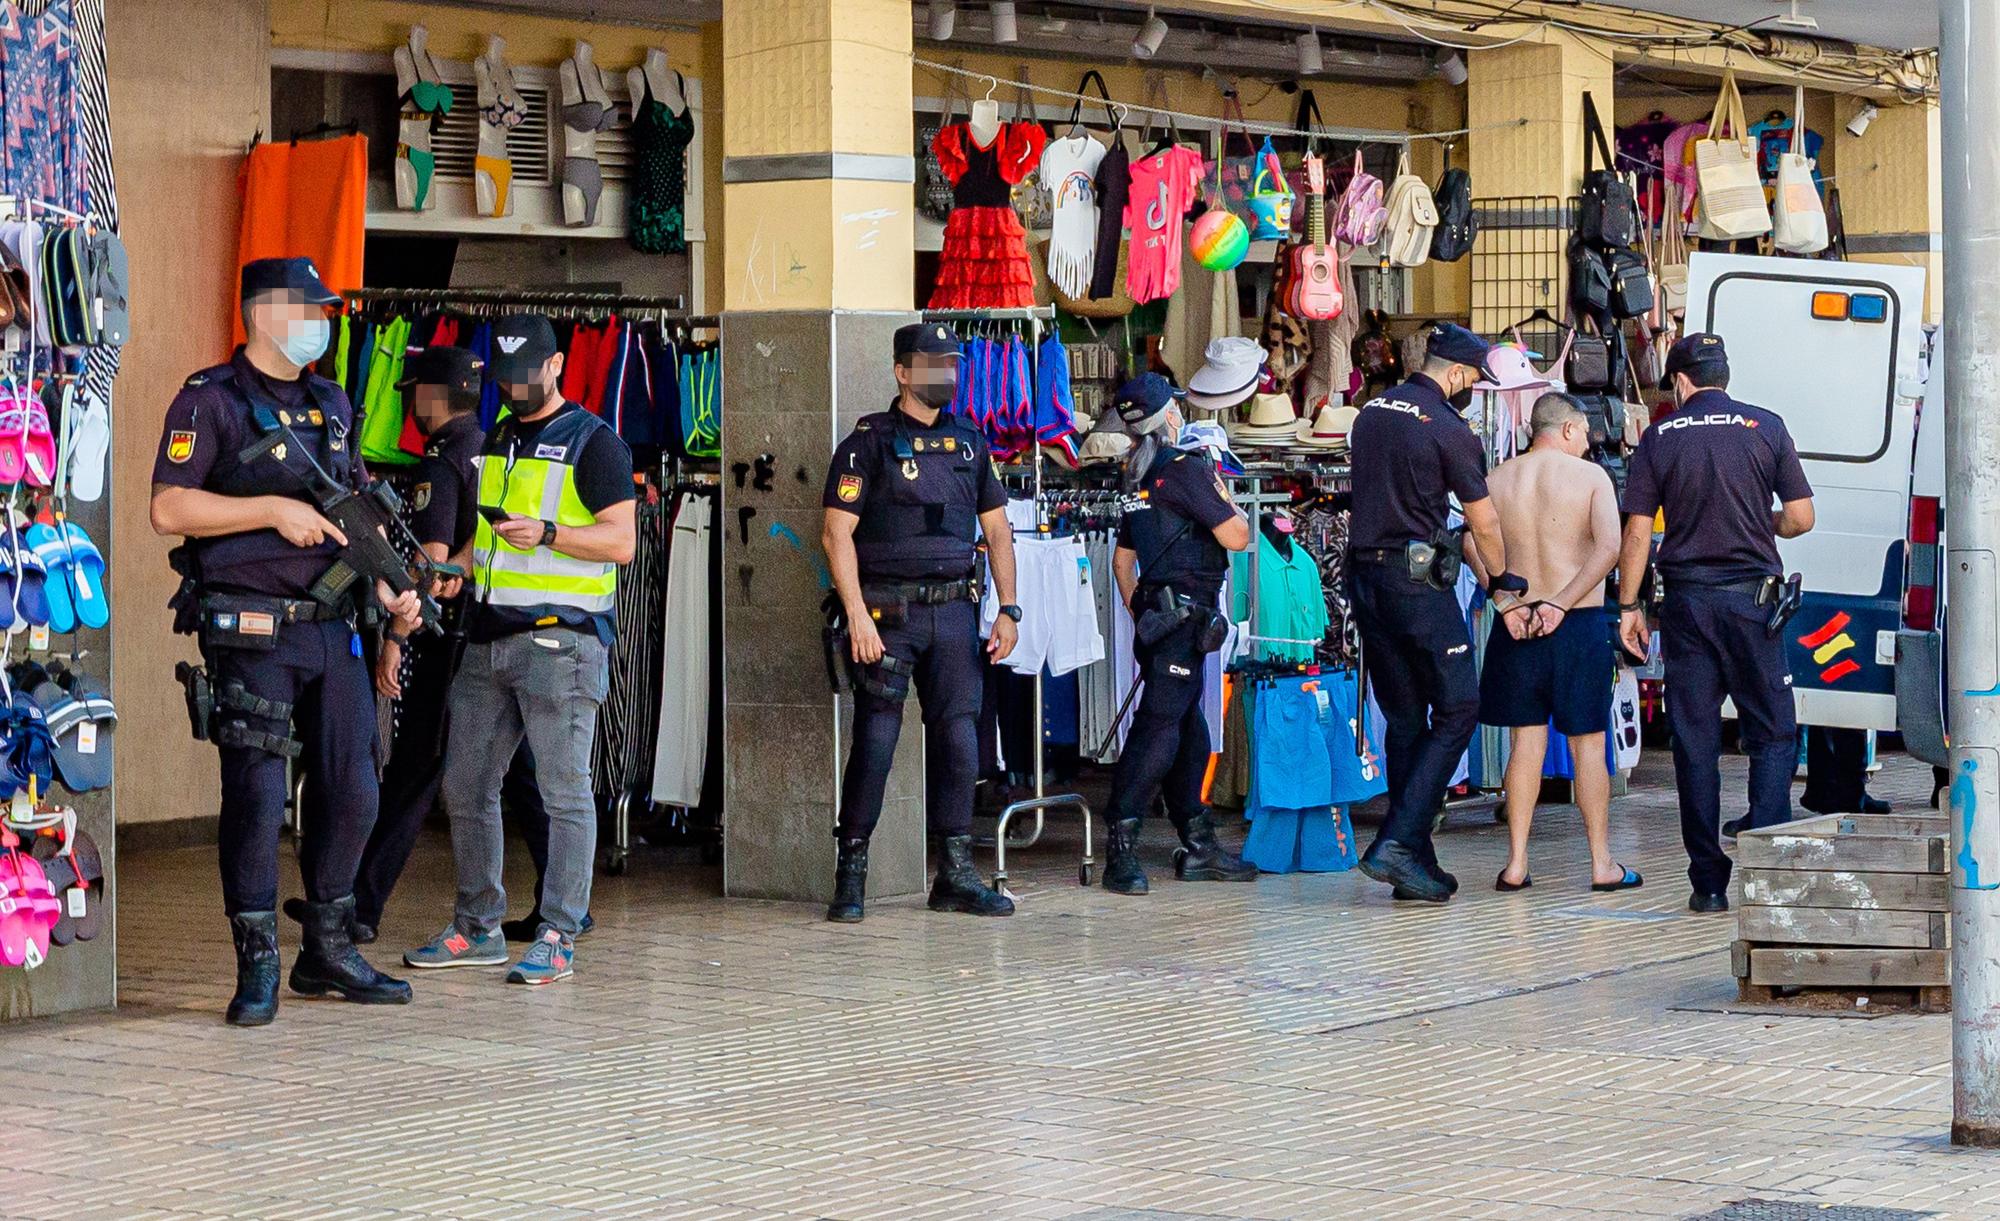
{"type": "Point", "coordinates": [1920, 589]}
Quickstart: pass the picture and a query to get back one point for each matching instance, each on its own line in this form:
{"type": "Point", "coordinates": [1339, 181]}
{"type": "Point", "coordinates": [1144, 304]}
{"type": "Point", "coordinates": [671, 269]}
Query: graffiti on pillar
{"type": "Point", "coordinates": [779, 530]}
{"type": "Point", "coordinates": [1972, 872]}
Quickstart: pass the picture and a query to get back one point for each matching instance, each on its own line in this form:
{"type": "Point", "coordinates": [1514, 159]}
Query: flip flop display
{"type": "Point", "coordinates": [28, 596]}
{"type": "Point", "coordinates": [29, 909]}
{"type": "Point", "coordinates": [85, 573]}
{"type": "Point", "coordinates": [47, 546]}
{"type": "Point", "coordinates": [80, 727]}
{"type": "Point", "coordinates": [30, 751]}
{"type": "Point", "coordinates": [76, 873]}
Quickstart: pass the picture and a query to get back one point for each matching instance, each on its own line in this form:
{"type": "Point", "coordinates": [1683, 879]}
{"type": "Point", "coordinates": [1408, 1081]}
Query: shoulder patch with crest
{"type": "Point", "coordinates": [848, 489]}
{"type": "Point", "coordinates": [180, 445]}
{"type": "Point", "coordinates": [420, 496]}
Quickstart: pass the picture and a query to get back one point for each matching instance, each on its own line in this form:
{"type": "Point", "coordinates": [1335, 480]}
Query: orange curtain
{"type": "Point", "coordinates": [311, 199]}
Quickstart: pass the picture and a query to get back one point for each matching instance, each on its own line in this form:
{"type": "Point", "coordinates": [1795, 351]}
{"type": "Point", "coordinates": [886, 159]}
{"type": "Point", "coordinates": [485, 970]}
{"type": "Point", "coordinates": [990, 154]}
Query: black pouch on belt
{"type": "Point", "coordinates": [1213, 629]}
{"type": "Point", "coordinates": [232, 622]}
{"type": "Point", "coordinates": [887, 679]}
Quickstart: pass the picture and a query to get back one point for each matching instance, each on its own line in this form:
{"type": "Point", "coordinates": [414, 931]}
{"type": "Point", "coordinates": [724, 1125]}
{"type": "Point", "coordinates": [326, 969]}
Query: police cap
{"type": "Point", "coordinates": [456, 369]}
{"type": "Point", "coordinates": [1454, 343]}
{"type": "Point", "coordinates": [927, 339]}
{"type": "Point", "coordinates": [1700, 350]}
{"type": "Point", "coordinates": [1143, 399]}
{"type": "Point", "coordinates": [297, 275]}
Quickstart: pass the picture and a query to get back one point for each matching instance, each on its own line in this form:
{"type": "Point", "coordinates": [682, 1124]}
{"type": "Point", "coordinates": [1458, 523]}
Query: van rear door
{"type": "Point", "coordinates": [1836, 350]}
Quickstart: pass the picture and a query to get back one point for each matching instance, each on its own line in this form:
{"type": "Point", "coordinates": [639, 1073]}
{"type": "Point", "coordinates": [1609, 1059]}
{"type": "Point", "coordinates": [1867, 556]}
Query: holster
{"type": "Point", "coordinates": [834, 643]}
{"type": "Point", "coordinates": [1786, 596]}
{"type": "Point", "coordinates": [887, 679]}
{"type": "Point", "coordinates": [200, 698]}
{"type": "Point", "coordinates": [186, 602]}
{"type": "Point", "coordinates": [208, 704]}
{"type": "Point", "coordinates": [1447, 558]}
{"type": "Point", "coordinates": [1160, 613]}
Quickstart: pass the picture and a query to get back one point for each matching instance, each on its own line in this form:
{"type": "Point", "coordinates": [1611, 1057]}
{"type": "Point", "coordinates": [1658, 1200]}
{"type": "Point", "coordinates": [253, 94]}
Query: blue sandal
{"type": "Point", "coordinates": [1631, 881]}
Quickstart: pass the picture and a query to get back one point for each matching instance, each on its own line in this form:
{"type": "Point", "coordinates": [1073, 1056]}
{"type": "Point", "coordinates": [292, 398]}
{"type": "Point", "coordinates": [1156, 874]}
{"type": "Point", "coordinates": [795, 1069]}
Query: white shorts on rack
{"type": "Point", "coordinates": [1052, 580]}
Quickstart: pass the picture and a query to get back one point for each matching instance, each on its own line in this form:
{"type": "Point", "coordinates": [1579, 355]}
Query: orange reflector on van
{"type": "Point", "coordinates": [1830, 306]}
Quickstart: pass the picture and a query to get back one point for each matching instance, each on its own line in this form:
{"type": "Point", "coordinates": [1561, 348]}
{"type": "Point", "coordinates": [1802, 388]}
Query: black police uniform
{"type": "Point", "coordinates": [1410, 448]}
{"type": "Point", "coordinates": [274, 655]}
{"type": "Point", "coordinates": [1713, 466]}
{"type": "Point", "coordinates": [919, 492]}
{"type": "Point", "coordinates": [444, 501]}
{"type": "Point", "coordinates": [1169, 524]}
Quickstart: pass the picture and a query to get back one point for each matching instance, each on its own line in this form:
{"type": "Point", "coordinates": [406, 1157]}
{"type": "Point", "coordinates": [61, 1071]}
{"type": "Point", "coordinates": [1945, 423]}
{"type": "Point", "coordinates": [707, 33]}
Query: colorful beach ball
{"type": "Point", "coordinates": [1219, 241]}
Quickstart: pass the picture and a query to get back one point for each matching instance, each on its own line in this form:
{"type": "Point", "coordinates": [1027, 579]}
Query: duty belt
{"type": "Point", "coordinates": [290, 610]}
{"type": "Point", "coordinates": [1378, 555]}
{"type": "Point", "coordinates": [1760, 588]}
{"type": "Point", "coordinates": [923, 593]}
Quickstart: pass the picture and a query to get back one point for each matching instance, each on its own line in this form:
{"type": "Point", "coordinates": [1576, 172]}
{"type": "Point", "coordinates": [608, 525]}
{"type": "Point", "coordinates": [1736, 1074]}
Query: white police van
{"type": "Point", "coordinates": [1838, 350]}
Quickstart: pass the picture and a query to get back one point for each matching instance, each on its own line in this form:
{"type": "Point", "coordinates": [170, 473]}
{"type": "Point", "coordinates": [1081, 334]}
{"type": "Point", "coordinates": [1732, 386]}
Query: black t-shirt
{"type": "Point", "coordinates": [603, 479]}
{"type": "Point", "coordinates": [208, 424]}
{"type": "Point", "coordinates": [1410, 448]}
{"type": "Point", "coordinates": [1114, 187]}
{"type": "Point", "coordinates": [1713, 467]}
{"type": "Point", "coordinates": [444, 503]}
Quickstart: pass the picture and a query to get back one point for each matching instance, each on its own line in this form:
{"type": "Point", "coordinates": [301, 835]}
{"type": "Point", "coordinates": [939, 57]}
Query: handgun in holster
{"type": "Point", "coordinates": [1784, 595]}
{"type": "Point", "coordinates": [1161, 612]}
{"type": "Point", "coordinates": [200, 698]}
{"type": "Point", "coordinates": [835, 644]}
{"type": "Point", "coordinates": [1435, 561]}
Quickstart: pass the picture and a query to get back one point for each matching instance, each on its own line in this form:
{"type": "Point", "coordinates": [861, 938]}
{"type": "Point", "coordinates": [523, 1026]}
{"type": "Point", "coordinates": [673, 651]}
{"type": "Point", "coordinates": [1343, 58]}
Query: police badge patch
{"type": "Point", "coordinates": [849, 489]}
{"type": "Point", "coordinates": [180, 446]}
{"type": "Point", "coordinates": [420, 498]}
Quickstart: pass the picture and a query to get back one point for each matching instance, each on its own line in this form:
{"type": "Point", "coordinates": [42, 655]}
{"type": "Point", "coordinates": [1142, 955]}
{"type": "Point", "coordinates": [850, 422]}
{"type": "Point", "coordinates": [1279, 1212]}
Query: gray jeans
{"type": "Point", "coordinates": [546, 685]}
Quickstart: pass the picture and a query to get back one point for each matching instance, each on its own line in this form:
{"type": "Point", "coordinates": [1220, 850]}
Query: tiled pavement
{"type": "Point", "coordinates": [1297, 1048]}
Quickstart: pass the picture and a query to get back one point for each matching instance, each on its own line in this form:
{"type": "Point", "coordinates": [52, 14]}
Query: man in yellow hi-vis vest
{"type": "Point", "coordinates": [555, 520]}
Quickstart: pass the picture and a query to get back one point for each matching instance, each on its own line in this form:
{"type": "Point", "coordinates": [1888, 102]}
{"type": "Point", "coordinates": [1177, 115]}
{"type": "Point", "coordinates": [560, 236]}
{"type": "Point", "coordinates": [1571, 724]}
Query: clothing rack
{"type": "Point", "coordinates": [525, 297]}
{"type": "Point", "coordinates": [1035, 319]}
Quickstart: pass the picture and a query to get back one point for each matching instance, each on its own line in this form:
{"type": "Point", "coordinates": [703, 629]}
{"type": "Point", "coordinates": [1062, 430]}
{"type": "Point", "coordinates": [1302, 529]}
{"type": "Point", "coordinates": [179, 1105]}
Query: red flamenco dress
{"type": "Point", "coordinates": [984, 264]}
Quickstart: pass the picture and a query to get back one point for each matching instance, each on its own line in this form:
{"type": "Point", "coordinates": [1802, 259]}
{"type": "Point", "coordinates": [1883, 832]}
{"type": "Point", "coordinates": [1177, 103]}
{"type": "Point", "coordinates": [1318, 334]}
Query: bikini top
{"type": "Point", "coordinates": [431, 97]}
{"type": "Point", "coordinates": [504, 113]}
{"type": "Point", "coordinates": [589, 116]}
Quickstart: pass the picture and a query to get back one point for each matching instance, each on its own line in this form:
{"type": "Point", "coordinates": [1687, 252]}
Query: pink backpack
{"type": "Point", "coordinates": [1359, 215]}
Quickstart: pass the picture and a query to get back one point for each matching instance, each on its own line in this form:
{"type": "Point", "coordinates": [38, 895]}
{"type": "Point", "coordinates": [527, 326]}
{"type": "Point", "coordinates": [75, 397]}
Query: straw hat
{"type": "Point", "coordinates": [1328, 429]}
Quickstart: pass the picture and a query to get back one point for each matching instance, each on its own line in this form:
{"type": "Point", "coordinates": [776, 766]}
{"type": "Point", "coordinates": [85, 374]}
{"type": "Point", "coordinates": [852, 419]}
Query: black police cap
{"type": "Point", "coordinates": [456, 369]}
{"type": "Point", "coordinates": [1454, 343]}
{"type": "Point", "coordinates": [1144, 397]}
{"type": "Point", "coordinates": [1691, 352]}
{"type": "Point", "coordinates": [296, 275]}
{"type": "Point", "coordinates": [927, 339]}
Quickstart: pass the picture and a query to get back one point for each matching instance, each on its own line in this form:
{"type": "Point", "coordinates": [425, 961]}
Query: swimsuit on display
{"type": "Point", "coordinates": [501, 171]}
{"type": "Point", "coordinates": [584, 173]}
{"type": "Point", "coordinates": [426, 102]}
{"type": "Point", "coordinates": [504, 112]}
{"type": "Point", "coordinates": [984, 263]}
{"type": "Point", "coordinates": [431, 97]}
{"type": "Point", "coordinates": [658, 177]}
{"type": "Point", "coordinates": [425, 165]}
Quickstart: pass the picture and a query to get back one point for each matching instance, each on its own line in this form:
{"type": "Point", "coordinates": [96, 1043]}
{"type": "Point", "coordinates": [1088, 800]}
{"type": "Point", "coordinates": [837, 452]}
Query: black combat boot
{"type": "Point", "coordinates": [1203, 859]}
{"type": "Point", "coordinates": [329, 965]}
{"type": "Point", "coordinates": [362, 931]}
{"type": "Point", "coordinates": [850, 879]}
{"type": "Point", "coordinates": [1122, 871]}
{"type": "Point", "coordinates": [958, 888]}
{"type": "Point", "coordinates": [256, 999]}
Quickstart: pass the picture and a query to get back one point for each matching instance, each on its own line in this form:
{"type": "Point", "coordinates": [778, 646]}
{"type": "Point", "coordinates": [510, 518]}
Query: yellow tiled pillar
{"type": "Point", "coordinates": [818, 271]}
{"type": "Point", "coordinates": [817, 166]}
{"type": "Point", "coordinates": [1542, 83]}
{"type": "Point", "coordinates": [1891, 199]}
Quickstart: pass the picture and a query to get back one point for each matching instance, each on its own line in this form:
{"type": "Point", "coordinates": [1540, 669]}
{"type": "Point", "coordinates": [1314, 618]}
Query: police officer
{"type": "Point", "coordinates": [906, 495]}
{"type": "Point", "coordinates": [276, 655]}
{"type": "Point", "coordinates": [441, 390]}
{"type": "Point", "coordinates": [1174, 536]}
{"type": "Point", "coordinates": [1411, 452]}
{"type": "Point", "coordinates": [1713, 466]}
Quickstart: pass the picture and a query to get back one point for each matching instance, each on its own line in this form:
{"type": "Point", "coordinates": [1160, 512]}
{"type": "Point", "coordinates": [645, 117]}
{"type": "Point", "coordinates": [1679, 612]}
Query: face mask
{"type": "Point", "coordinates": [935, 390]}
{"type": "Point", "coordinates": [1460, 401]}
{"type": "Point", "coordinates": [305, 342]}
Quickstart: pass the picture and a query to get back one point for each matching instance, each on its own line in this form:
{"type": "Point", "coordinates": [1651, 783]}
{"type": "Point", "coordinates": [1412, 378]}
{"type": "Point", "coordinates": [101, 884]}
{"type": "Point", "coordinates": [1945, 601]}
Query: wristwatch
{"type": "Point", "coordinates": [1012, 612]}
{"type": "Point", "coordinates": [1625, 608]}
{"type": "Point", "coordinates": [548, 534]}
{"type": "Point", "coordinates": [398, 637]}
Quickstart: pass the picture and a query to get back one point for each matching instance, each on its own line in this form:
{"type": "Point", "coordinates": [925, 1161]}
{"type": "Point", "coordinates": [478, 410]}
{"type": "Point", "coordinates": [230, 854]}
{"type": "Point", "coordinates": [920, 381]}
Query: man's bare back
{"type": "Point", "coordinates": [1559, 515]}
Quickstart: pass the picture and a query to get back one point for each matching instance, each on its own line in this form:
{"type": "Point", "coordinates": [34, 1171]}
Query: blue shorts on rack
{"type": "Point", "coordinates": [1291, 760]}
{"type": "Point", "coordinates": [1357, 775]}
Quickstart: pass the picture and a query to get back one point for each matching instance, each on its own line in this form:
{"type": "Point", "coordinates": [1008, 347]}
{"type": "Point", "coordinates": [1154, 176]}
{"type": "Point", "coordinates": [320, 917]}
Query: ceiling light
{"type": "Point", "coordinates": [944, 18]}
{"type": "Point", "coordinates": [1452, 69]}
{"type": "Point", "coordinates": [1151, 35]}
{"type": "Point", "coordinates": [1310, 62]}
{"type": "Point", "coordinates": [1004, 27]}
{"type": "Point", "coordinates": [1858, 125]}
{"type": "Point", "coordinates": [1798, 20]}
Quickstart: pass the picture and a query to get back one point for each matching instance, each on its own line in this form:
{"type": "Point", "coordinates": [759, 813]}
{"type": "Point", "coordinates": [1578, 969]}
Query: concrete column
{"type": "Point", "coordinates": [817, 273]}
{"type": "Point", "coordinates": [1544, 83]}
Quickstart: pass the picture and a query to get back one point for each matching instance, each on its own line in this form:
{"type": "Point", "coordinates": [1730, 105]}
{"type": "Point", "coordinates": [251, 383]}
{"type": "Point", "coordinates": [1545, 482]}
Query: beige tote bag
{"type": "Point", "coordinates": [1732, 203]}
{"type": "Point", "coordinates": [1798, 223]}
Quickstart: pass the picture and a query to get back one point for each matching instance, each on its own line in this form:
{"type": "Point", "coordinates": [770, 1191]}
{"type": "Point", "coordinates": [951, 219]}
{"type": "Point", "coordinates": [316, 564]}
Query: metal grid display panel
{"type": "Point", "coordinates": [1518, 266]}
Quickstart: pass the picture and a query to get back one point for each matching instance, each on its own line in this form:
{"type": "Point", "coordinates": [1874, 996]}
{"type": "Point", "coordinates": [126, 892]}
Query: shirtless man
{"type": "Point", "coordinates": [1559, 515]}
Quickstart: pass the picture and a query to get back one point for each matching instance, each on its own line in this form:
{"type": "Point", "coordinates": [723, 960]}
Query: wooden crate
{"type": "Point", "coordinates": [1845, 902]}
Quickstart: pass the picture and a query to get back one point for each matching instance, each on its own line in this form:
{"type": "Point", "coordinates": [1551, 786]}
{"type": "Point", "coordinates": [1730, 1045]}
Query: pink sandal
{"type": "Point", "coordinates": [29, 909]}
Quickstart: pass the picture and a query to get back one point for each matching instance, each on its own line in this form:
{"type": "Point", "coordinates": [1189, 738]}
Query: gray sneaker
{"type": "Point", "coordinates": [452, 948]}
{"type": "Point", "coordinates": [548, 959]}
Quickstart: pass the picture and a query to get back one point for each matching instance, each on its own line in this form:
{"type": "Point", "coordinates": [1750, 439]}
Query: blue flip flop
{"type": "Point", "coordinates": [1631, 881]}
{"type": "Point", "coordinates": [48, 547]}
